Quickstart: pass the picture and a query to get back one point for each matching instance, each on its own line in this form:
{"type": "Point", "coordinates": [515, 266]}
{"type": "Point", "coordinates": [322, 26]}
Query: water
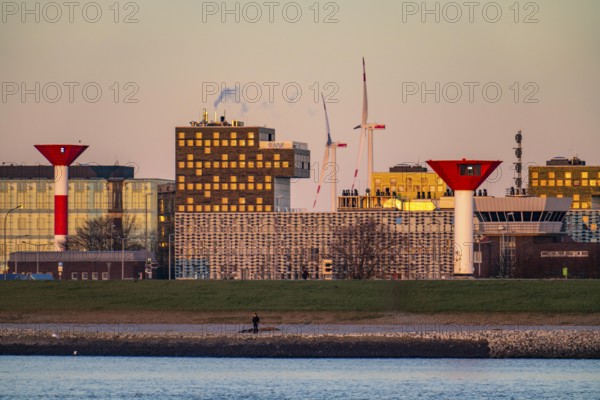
{"type": "Point", "coordinates": [33, 377]}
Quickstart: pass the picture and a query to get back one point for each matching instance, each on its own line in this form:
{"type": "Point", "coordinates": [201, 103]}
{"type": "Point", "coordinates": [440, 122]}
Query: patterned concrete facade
{"type": "Point", "coordinates": [281, 245]}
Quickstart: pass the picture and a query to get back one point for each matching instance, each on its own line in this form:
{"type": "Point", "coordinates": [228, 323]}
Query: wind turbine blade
{"type": "Point", "coordinates": [363, 134]}
{"type": "Point", "coordinates": [329, 141]}
{"type": "Point", "coordinates": [365, 110]}
{"type": "Point", "coordinates": [322, 174]}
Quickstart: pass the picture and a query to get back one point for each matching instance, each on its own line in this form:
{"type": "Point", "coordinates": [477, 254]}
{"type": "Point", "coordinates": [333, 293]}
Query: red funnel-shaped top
{"type": "Point", "coordinates": [61, 154]}
{"type": "Point", "coordinates": [464, 174]}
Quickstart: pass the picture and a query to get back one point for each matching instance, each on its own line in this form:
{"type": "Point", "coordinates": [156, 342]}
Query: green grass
{"type": "Point", "coordinates": [575, 296]}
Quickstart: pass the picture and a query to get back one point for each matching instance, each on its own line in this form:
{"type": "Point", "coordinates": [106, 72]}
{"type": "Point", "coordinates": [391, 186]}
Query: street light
{"type": "Point", "coordinates": [5, 248]}
{"type": "Point", "coordinates": [169, 243]}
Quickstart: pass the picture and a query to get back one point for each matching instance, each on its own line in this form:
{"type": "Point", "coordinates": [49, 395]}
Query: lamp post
{"type": "Point", "coordinates": [169, 243]}
{"type": "Point", "coordinates": [5, 248]}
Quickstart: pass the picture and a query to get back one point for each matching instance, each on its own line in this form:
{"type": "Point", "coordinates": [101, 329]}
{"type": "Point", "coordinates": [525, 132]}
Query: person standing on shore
{"type": "Point", "coordinates": [255, 321]}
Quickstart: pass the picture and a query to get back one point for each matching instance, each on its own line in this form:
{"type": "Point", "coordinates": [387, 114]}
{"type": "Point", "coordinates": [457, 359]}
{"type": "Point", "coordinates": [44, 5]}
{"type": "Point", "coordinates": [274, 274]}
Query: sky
{"type": "Point", "coordinates": [448, 79]}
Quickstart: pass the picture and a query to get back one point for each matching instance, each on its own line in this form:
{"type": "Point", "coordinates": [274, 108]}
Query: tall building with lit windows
{"type": "Point", "coordinates": [223, 167]}
{"type": "Point", "coordinates": [562, 177]}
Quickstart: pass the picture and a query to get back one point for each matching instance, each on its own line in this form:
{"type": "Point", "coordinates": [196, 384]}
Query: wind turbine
{"type": "Point", "coordinates": [367, 130]}
{"type": "Point", "coordinates": [330, 145]}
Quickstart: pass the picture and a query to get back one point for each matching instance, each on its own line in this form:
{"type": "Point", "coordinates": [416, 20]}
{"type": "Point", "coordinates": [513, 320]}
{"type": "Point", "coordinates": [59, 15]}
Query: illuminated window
{"type": "Point", "coordinates": [268, 208]}
{"type": "Point", "coordinates": [224, 164]}
{"type": "Point", "coordinates": [216, 143]}
{"type": "Point", "coordinates": [575, 204]}
{"type": "Point", "coordinates": [215, 186]}
{"type": "Point", "coordinates": [190, 143]}
{"type": "Point", "coordinates": [233, 208]}
{"type": "Point", "coordinates": [190, 164]}
{"type": "Point", "coordinates": [233, 178]}
{"type": "Point", "coordinates": [242, 208]}
{"type": "Point", "coordinates": [216, 178]}
{"type": "Point", "coordinates": [242, 157]}
{"type": "Point", "coordinates": [250, 164]}
{"type": "Point", "coordinates": [286, 164]}
{"type": "Point", "coordinates": [567, 175]}
{"type": "Point", "coordinates": [233, 164]}
{"type": "Point", "coordinates": [225, 200]}
{"type": "Point", "coordinates": [207, 193]}
{"type": "Point", "coordinates": [181, 186]}
{"type": "Point", "coordinates": [198, 143]}
{"type": "Point", "coordinates": [251, 143]}
{"type": "Point", "coordinates": [224, 157]}
{"type": "Point", "coordinates": [207, 150]}
{"type": "Point", "coordinates": [250, 208]}
{"type": "Point", "coordinates": [181, 143]}
{"type": "Point", "coordinates": [576, 197]}
{"type": "Point", "coordinates": [534, 175]}
{"type": "Point", "coordinates": [190, 208]}
{"type": "Point", "coordinates": [233, 186]}
{"type": "Point", "coordinates": [593, 227]}
{"type": "Point", "coordinates": [225, 143]}
{"type": "Point", "coordinates": [250, 135]}
{"type": "Point", "coordinates": [259, 164]}
{"type": "Point", "coordinates": [251, 186]}
{"type": "Point", "coordinates": [559, 182]}
{"type": "Point", "coordinates": [551, 175]}
{"type": "Point", "coordinates": [259, 208]}
{"type": "Point", "coordinates": [585, 205]}
{"type": "Point", "coordinates": [207, 207]}
{"type": "Point", "coordinates": [216, 208]}
{"type": "Point", "coordinates": [180, 178]}
{"type": "Point", "coordinates": [190, 157]}
{"type": "Point", "coordinates": [215, 164]}
{"type": "Point", "coordinates": [181, 164]}
{"type": "Point", "coordinates": [584, 182]}
{"type": "Point", "coordinates": [259, 157]}
{"type": "Point", "coordinates": [180, 135]}
{"type": "Point", "coordinates": [259, 200]}
{"type": "Point", "coordinates": [198, 135]}
{"type": "Point", "coordinates": [207, 142]}
{"type": "Point", "coordinates": [592, 182]}
{"type": "Point", "coordinates": [190, 200]}
{"type": "Point", "coordinates": [560, 196]}
{"type": "Point", "coordinates": [242, 200]}
{"type": "Point", "coordinates": [584, 175]}
{"type": "Point", "coordinates": [207, 164]}
{"type": "Point", "coordinates": [215, 135]}
{"type": "Point", "coordinates": [242, 164]}
{"type": "Point", "coordinates": [242, 186]}
{"type": "Point", "coordinates": [250, 178]}
{"type": "Point", "coordinates": [543, 196]}
{"type": "Point", "coordinates": [551, 182]}
{"type": "Point", "coordinates": [268, 164]}
{"type": "Point", "coordinates": [268, 178]}
{"type": "Point", "coordinates": [267, 186]}
{"type": "Point", "coordinates": [233, 135]}
{"type": "Point", "coordinates": [277, 157]}
{"type": "Point", "coordinates": [259, 186]}
{"type": "Point", "coordinates": [190, 186]}
{"type": "Point", "coordinates": [567, 182]}
{"type": "Point", "coordinates": [277, 164]}
{"type": "Point", "coordinates": [198, 172]}
{"type": "Point", "coordinates": [225, 208]}
{"type": "Point", "coordinates": [242, 142]}
{"type": "Point", "coordinates": [181, 208]}
{"type": "Point", "coordinates": [198, 208]}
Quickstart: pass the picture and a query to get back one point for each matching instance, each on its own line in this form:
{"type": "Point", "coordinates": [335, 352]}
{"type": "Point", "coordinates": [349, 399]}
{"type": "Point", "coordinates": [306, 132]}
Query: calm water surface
{"type": "Point", "coordinates": [79, 377]}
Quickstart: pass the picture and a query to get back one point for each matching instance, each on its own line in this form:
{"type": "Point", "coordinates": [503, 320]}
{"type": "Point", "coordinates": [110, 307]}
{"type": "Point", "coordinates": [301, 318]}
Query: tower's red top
{"type": "Point", "coordinates": [61, 154]}
{"type": "Point", "coordinates": [464, 174]}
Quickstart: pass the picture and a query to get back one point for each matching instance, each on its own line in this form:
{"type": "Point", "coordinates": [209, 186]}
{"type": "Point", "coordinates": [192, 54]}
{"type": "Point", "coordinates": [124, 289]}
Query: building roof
{"type": "Point", "coordinates": [79, 256]}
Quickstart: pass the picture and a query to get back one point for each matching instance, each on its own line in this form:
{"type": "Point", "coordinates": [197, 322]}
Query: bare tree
{"type": "Point", "coordinates": [362, 250]}
{"type": "Point", "coordinates": [99, 234]}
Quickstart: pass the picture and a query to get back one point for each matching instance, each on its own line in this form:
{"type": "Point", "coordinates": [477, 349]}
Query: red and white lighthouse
{"type": "Point", "coordinates": [463, 177]}
{"type": "Point", "coordinates": [61, 156]}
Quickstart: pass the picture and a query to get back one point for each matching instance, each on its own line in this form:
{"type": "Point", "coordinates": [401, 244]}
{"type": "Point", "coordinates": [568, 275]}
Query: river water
{"type": "Point", "coordinates": [39, 377]}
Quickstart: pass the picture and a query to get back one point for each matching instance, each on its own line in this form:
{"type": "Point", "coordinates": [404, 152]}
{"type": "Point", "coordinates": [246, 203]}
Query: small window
{"type": "Point", "coordinates": [94, 276]}
{"type": "Point", "coordinates": [74, 276]}
{"type": "Point", "coordinates": [470, 169]}
{"type": "Point", "coordinates": [105, 276]}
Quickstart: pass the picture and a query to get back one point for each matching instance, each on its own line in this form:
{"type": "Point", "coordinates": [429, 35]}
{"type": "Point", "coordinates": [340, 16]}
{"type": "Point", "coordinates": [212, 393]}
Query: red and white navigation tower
{"type": "Point", "coordinates": [463, 177]}
{"type": "Point", "coordinates": [61, 156]}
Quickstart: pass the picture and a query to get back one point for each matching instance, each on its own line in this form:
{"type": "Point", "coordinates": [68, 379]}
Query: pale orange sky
{"type": "Point", "coordinates": [174, 49]}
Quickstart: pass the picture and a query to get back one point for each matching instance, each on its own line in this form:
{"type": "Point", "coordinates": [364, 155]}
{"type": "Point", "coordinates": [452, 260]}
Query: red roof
{"type": "Point", "coordinates": [61, 154]}
{"type": "Point", "coordinates": [464, 174]}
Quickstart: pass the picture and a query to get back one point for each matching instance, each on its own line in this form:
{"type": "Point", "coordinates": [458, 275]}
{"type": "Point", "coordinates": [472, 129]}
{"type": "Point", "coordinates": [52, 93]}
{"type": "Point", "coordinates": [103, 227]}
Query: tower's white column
{"type": "Point", "coordinates": [463, 232]}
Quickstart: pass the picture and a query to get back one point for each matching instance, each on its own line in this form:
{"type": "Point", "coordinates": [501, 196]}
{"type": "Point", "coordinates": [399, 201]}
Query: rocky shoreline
{"type": "Point", "coordinates": [480, 344]}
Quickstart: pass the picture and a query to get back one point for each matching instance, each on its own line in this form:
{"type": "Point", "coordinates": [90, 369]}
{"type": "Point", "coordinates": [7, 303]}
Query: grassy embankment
{"type": "Point", "coordinates": [422, 297]}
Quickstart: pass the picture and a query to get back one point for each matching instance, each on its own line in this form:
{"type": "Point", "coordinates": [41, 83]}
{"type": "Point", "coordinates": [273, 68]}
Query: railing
{"type": "Point", "coordinates": [504, 228]}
